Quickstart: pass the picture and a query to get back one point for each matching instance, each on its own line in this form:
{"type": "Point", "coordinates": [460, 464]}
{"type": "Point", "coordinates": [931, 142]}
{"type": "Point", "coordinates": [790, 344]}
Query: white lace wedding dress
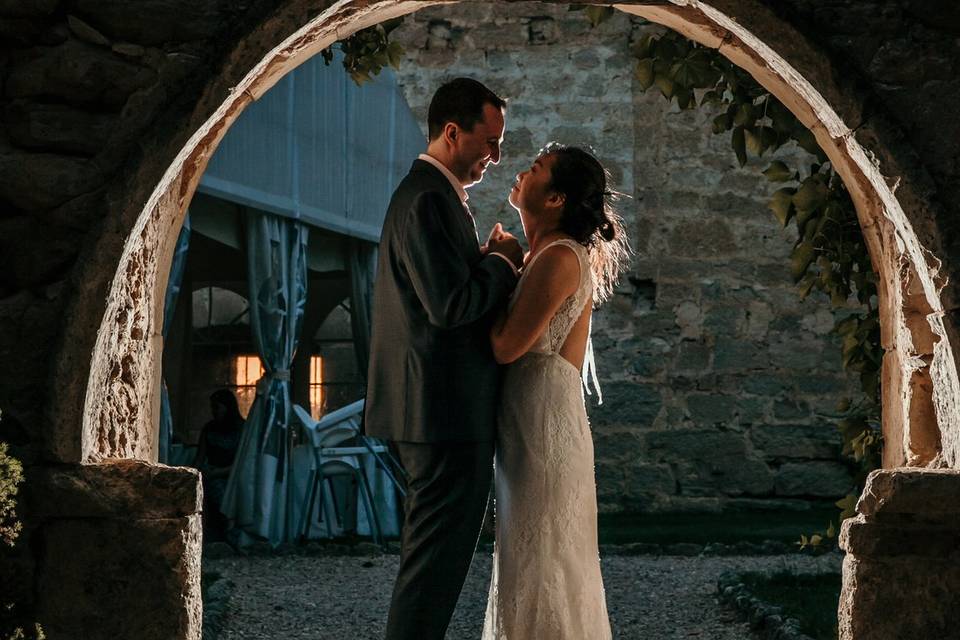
{"type": "Point", "coordinates": [546, 581]}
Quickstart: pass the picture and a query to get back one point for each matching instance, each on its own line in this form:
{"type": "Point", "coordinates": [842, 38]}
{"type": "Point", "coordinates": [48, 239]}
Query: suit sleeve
{"type": "Point", "coordinates": [452, 291]}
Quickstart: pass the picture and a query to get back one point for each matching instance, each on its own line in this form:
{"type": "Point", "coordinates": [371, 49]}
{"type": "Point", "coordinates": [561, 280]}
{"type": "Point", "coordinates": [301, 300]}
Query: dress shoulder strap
{"type": "Point", "coordinates": [585, 289]}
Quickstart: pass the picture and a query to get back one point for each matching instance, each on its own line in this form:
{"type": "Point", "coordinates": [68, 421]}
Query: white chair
{"type": "Point", "coordinates": [349, 415]}
{"type": "Point", "coordinates": [334, 429]}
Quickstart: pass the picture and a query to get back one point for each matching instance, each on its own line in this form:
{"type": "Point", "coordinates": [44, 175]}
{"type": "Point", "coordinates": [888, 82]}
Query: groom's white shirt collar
{"type": "Point", "coordinates": [461, 192]}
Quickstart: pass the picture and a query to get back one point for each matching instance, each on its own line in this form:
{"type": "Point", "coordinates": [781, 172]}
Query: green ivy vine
{"type": "Point", "coordinates": [368, 51]}
{"type": "Point", "coordinates": [829, 255]}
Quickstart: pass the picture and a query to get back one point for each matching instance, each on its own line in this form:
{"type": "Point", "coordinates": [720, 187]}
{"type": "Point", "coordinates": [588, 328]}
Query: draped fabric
{"type": "Point", "coordinates": [177, 267]}
{"type": "Point", "coordinates": [362, 262]}
{"type": "Point", "coordinates": [259, 492]}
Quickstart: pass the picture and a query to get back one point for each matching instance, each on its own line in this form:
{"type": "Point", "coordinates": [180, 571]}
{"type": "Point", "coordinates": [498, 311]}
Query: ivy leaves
{"type": "Point", "coordinates": [368, 51]}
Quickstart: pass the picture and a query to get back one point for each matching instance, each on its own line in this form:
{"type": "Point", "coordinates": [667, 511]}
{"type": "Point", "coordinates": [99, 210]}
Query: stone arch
{"type": "Point", "coordinates": [921, 388]}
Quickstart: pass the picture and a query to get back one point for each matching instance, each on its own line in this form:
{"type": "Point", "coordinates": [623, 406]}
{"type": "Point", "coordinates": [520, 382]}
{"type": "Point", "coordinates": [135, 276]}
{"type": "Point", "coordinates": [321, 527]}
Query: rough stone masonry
{"type": "Point", "coordinates": [714, 374]}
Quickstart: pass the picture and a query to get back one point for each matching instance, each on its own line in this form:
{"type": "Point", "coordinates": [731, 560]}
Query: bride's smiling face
{"type": "Point", "coordinates": [531, 192]}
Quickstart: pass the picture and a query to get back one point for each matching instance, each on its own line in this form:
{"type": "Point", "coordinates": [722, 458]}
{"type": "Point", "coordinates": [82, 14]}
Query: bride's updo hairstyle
{"type": "Point", "coordinates": [588, 214]}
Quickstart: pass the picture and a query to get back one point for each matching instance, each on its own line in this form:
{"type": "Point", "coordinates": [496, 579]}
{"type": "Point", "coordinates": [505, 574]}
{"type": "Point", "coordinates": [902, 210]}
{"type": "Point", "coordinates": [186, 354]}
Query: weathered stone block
{"type": "Point", "coordinates": [170, 20]}
{"type": "Point", "coordinates": [35, 181]}
{"type": "Point", "coordinates": [711, 461]}
{"type": "Point", "coordinates": [894, 492]}
{"type": "Point", "coordinates": [610, 481]}
{"type": "Point", "coordinates": [120, 489]}
{"type": "Point", "coordinates": [732, 354]}
{"type": "Point", "coordinates": [78, 73]}
{"type": "Point", "coordinates": [822, 383]}
{"type": "Point", "coordinates": [617, 445]}
{"type": "Point", "coordinates": [646, 365]}
{"type": "Point", "coordinates": [34, 253]}
{"type": "Point", "coordinates": [542, 30]}
{"type": "Point", "coordinates": [789, 353]}
{"type": "Point", "coordinates": [690, 319]}
{"type": "Point", "coordinates": [790, 409]}
{"type": "Point", "coordinates": [27, 8]}
{"type": "Point", "coordinates": [21, 32]}
{"type": "Point", "coordinates": [767, 384]}
{"type": "Point", "coordinates": [695, 238]}
{"type": "Point", "coordinates": [693, 356]}
{"type": "Point", "coordinates": [121, 548]}
{"type": "Point", "coordinates": [694, 444]}
{"type": "Point", "coordinates": [710, 408]}
{"type": "Point", "coordinates": [644, 479]}
{"type": "Point", "coordinates": [86, 33]}
{"type": "Point", "coordinates": [800, 441]}
{"type": "Point", "coordinates": [821, 479]}
{"type": "Point", "coordinates": [896, 598]}
{"type": "Point", "coordinates": [121, 578]}
{"type": "Point", "coordinates": [902, 549]}
{"type": "Point", "coordinates": [871, 537]}
{"type": "Point", "coordinates": [52, 127]}
{"type": "Point", "coordinates": [752, 410]}
{"type": "Point", "coordinates": [627, 403]}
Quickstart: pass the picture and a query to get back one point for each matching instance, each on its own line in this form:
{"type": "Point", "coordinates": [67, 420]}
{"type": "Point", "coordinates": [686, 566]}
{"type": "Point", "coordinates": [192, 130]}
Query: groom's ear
{"type": "Point", "coordinates": [451, 131]}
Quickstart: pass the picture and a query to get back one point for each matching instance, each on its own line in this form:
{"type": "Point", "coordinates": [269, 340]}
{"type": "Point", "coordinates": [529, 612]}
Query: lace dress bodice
{"type": "Point", "coordinates": [563, 321]}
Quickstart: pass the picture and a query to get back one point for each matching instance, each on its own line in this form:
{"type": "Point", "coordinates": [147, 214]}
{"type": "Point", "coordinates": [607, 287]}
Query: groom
{"type": "Point", "coordinates": [433, 383]}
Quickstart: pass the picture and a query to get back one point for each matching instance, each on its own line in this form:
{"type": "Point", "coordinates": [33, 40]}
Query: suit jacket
{"type": "Point", "coordinates": [432, 376]}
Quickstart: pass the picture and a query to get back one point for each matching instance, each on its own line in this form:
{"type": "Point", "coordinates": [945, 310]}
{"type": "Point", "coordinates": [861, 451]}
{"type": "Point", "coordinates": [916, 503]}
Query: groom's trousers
{"type": "Point", "coordinates": [447, 489]}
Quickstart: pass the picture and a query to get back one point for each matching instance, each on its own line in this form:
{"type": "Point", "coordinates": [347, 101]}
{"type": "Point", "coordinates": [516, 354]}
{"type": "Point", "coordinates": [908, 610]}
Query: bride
{"type": "Point", "coordinates": [546, 579]}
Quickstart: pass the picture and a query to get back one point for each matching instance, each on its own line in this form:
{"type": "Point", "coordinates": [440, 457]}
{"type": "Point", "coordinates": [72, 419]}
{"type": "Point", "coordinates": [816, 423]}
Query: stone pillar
{"type": "Point", "coordinates": [901, 574]}
{"type": "Point", "coordinates": [120, 550]}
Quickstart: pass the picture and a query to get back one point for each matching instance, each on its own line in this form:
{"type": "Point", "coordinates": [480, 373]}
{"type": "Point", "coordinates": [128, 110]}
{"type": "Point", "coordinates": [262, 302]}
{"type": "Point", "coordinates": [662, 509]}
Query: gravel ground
{"type": "Point", "coordinates": [334, 598]}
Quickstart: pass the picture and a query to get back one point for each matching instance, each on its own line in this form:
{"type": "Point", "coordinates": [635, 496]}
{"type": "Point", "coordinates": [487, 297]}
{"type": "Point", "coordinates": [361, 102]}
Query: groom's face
{"type": "Point", "coordinates": [476, 149]}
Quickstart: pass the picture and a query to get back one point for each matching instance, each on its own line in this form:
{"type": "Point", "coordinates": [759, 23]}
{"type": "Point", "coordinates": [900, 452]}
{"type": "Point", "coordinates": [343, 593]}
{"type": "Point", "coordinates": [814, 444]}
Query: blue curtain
{"type": "Point", "coordinates": [259, 496]}
{"type": "Point", "coordinates": [177, 267]}
{"type": "Point", "coordinates": [362, 262]}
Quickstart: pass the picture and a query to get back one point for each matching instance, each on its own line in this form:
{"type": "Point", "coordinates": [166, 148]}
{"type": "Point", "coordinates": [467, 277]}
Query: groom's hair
{"type": "Point", "coordinates": [460, 101]}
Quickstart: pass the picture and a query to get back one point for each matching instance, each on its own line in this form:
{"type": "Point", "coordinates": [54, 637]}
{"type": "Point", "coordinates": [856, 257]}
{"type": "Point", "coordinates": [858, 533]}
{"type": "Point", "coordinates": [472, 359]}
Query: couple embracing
{"type": "Point", "coordinates": [448, 314]}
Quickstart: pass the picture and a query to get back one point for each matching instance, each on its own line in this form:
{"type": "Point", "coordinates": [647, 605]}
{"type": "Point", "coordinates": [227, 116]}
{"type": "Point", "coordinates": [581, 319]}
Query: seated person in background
{"type": "Point", "coordinates": [216, 450]}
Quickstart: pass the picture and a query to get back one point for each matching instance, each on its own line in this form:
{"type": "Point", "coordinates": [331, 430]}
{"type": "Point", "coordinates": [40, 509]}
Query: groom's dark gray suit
{"type": "Point", "coordinates": [433, 387]}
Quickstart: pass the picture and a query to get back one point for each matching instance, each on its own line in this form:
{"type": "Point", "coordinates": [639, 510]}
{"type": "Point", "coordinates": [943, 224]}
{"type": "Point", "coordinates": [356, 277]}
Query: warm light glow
{"type": "Point", "coordinates": [247, 371]}
{"type": "Point", "coordinates": [316, 387]}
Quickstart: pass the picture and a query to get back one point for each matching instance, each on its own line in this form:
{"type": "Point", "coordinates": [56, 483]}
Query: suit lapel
{"type": "Point", "coordinates": [432, 176]}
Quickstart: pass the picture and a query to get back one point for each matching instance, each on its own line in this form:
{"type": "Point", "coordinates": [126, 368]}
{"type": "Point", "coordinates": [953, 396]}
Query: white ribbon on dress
{"type": "Point", "coordinates": [590, 366]}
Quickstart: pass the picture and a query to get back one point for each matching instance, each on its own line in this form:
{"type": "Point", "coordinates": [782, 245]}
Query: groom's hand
{"type": "Point", "coordinates": [506, 245]}
{"type": "Point", "coordinates": [495, 233]}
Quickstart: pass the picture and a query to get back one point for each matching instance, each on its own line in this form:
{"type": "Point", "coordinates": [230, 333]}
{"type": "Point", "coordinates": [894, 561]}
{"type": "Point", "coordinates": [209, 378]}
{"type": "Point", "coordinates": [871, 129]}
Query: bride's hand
{"type": "Point", "coordinates": [496, 234]}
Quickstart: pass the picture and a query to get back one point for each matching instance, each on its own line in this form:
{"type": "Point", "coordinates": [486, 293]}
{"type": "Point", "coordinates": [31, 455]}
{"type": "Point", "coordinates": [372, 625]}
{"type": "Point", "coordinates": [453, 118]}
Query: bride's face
{"type": "Point", "coordinates": [531, 191]}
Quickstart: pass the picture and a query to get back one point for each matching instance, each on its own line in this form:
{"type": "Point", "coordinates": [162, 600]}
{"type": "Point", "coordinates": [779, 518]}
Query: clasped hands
{"type": "Point", "coordinates": [504, 243]}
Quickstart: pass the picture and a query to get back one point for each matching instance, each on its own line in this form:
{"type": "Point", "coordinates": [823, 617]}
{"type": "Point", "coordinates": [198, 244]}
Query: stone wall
{"type": "Point", "coordinates": [713, 371]}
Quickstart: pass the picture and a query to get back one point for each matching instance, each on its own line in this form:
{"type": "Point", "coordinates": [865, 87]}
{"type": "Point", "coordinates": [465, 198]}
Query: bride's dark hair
{"type": "Point", "coordinates": [588, 214]}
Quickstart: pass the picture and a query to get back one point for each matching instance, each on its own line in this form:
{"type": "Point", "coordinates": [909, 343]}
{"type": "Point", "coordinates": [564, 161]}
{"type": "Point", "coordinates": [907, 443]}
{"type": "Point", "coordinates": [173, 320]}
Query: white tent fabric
{"type": "Point", "coordinates": [320, 149]}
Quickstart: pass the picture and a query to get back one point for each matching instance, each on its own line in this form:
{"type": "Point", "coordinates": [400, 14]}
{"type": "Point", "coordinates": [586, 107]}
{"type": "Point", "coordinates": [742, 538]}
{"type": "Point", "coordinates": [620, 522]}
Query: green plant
{"type": "Point", "coordinates": [11, 475]}
{"type": "Point", "coordinates": [829, 255]}
{"type": "Point", "coordinates": [368, 51]}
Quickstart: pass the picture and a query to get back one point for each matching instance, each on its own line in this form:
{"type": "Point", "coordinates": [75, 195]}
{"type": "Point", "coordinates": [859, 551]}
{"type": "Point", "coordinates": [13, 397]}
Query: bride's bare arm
{"type": "Point", "coordinates": [553, 278]}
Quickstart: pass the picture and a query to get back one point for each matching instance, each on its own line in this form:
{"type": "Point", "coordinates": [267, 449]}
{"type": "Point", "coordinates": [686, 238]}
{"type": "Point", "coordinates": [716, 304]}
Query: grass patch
{"type": "Point", "coordinates": [811, 599]}
{"type": "Point", "coordinates": [729, 527]}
